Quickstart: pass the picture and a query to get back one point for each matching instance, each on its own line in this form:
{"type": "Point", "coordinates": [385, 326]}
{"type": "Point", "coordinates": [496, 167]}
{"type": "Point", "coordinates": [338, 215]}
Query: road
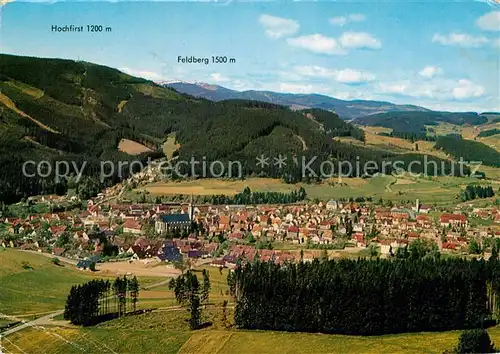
{"type": "Point", "coordinates": [48, 255]}
{"type": "Point", "coordinates": [38, 322]}
{"type": "Point", "coordinates": [44, 320]}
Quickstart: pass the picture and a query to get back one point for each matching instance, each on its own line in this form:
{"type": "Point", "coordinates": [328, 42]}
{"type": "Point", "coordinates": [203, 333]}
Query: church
{"type": "Point", "coordinates": [169, 222]}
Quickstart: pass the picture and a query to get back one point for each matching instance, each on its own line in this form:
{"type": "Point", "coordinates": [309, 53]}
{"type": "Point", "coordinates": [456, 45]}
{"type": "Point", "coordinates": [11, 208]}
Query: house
{"type": "Point", "coordinates": [132, 226]}
{"type": "Point", "coordinates": [58, 251]}
{"type": "Point", "coordinates": [236, 236]}
{"type": "Point", "coordinates": [57, 230]}
{"type": "Point", "coordinates": [423, 220]}
{"type": "Point", "coordinates": [195, 254]}
{"type": "Point", "coordinates": [450, 246]}
{"type": "Point", "coordinates": [359, 239]}
{"type": "Point", "coordinates": [332, 205]}
{"type": "Point", "coordinates": [425, 209]}
{"type": "Point", "coordinates": [448, 220]}
{"type": "Point", "coordinates": [220, 263]}
{"type": "Point", "coordinates": [293, 232]}
{"type": "Point", "coordinates": [81, 236]}
{"type": "Point", "coordinates": [84, 264]}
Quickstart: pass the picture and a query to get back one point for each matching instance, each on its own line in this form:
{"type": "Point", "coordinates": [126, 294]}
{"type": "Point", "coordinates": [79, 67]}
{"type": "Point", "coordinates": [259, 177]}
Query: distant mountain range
{"type": "Point", "coordinates": [345, 109]}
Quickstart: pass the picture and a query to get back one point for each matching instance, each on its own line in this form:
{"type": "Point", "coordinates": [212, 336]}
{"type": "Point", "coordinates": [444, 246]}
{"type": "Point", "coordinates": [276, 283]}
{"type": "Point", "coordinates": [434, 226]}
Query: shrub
{"type": "Point", "coordinates": [475, 341]}
{"type": "Point", "coordinates": [56, 261]}
{"type": "Point", "coordinates": [92, 266]}
{"type": "Point", "coordinates": [27, 266]}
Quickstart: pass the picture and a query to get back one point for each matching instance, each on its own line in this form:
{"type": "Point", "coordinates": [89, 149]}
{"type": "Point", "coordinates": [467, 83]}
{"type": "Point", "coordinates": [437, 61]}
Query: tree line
{"type": "Point", "coordinates": [188, 291]}
{"type": "Point", "coordinates": [366, 297]}
{"type": "Point", "coordinates": [411, 136]}
{"type": "Point", "coordinates": [89, 303]}
{"type": "Point", "coordinates": [476, 191]}
{"type": "Point", "coordinates": [247, 197]}
{"type": "Point", "coordinates": [468, 150]}
{"type": "Point", "coordinates": [489, 132]}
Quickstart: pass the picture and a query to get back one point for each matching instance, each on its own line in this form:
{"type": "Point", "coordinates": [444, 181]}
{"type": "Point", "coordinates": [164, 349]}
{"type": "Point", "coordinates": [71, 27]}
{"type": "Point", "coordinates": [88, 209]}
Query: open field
{"type": "Point", "coordinates": [44, 286]}
{"type": "Point", "coordinates": [438, 190]}
{"type": "Point", "coordinates": [31, 283]}
{"type": "Point", "coordinates": [216, 186]}
{"type": "Point", "coordinates": [93, 340]}
{"type": "Point", "coordinates": [399, 145]}
{"type": "Point", "coordinates": [132, 147]}
{"type": "Point", "coordinates": [137, 268]}
{"type": "Point", "coordinates": [167, 332]}
{"type": "Point", "coordinates": [492, 141]}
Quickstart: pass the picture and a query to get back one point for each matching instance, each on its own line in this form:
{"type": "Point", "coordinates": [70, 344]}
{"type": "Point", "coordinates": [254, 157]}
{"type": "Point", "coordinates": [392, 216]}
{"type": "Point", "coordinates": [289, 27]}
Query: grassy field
{"type": "Point", "coordinates": [162, 296]}
{"type": "Point", "coordinates": [436, 190]}
{"type": "Point", "coordinates": [31, 283]}
{"type": "Point", "coordinates": [44, 287]}
{"type": "Point", "coordinates": [216, 186]}
{"type": "Point", "coordinates": [167, 332]}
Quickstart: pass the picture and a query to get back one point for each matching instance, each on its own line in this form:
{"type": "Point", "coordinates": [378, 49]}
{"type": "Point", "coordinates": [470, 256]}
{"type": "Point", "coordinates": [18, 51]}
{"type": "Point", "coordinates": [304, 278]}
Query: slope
{"type": "Point", "coordinates": [416, 122]}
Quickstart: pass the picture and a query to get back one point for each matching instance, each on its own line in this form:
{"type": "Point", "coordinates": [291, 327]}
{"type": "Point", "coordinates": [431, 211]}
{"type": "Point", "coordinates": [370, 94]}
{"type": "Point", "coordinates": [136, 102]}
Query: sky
{"type": "Point", "coordinates": [444, 55]}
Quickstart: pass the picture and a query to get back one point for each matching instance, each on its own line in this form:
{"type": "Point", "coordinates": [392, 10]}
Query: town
{"type": "Point", "coordinates": [223, 235]}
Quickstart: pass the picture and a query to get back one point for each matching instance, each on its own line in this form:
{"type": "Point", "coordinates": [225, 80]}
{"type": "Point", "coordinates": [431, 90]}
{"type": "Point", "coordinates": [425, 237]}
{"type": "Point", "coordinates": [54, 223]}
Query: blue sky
{"type": "Point", "coordinates": [442, 55]}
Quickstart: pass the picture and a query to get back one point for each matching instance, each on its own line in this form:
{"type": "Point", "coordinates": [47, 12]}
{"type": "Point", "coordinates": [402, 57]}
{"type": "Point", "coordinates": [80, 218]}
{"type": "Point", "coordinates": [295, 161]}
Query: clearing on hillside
{"type": "Point", "coordinates": [11, 105]}
{"type": "Point", "coordinates": [170, 146]}
{"type": "Point", "coordinates": [132, 147]}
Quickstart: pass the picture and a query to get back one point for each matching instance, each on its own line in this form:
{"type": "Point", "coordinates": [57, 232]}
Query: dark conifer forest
{"type": "Point", "coordinates": [367, 297]}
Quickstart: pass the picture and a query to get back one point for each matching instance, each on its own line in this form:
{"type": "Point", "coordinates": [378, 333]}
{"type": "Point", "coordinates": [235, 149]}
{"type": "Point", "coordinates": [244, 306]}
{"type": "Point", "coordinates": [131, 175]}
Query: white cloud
{"type": "Point", "coordinates": [440, 90]}
{"type": "Point", "coordinates": [338, 21]}
{"type": "Point", "coordinates": [430, 71]}
{"type": "Point", "coordinates": [460, 39]}
{"type": "Point", "coordinates": [345, 76]}
{"type": "Point", "coordinates": [394, 88]}
{"type": "Point", "coordinates": [5, 2]}
{"type": "Point", "coordinates": [343, 20]}
{"type": "Point", "coordinates": [149, 75]}
{"type": "Point", "coordinates": [490, 21]}
{"type": "Point", "coordinates": [277, 27]}
{"type": "Point", "coordinates": [359, 40]}
{"type": "Point", "coordinates": [357, 17]}
{"type": "Point", "coordinates": [295, 88]}
{"type": "Point", "coordinates": [349, 76]}
{"type": "Point", "coordinates": [467, 89]}
{"type": "Point", "coordinates": [317, 43]}
{"type": "Point", "coordinates": [218, 77]}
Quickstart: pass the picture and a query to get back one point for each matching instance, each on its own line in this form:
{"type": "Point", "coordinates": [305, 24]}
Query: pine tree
{"type": "Point", "coordinates": [224, 313]}
{"type": "Point", "coordinates": [134, 288]}
{"type": "Point", "coordinates": [205, 290]}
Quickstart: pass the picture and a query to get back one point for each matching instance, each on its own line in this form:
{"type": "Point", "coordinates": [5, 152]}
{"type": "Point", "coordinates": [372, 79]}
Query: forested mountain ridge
{"type": "Point", "coordinates": [76, 112]}
{"type": "Point", "coordinates": [416, 122]}
{"type": "Point", "coordinates": [344, 108]}
{"type": "Point", "coordinates": [65, 110]}
{"type": "Point", "coordinates": [469, 150]}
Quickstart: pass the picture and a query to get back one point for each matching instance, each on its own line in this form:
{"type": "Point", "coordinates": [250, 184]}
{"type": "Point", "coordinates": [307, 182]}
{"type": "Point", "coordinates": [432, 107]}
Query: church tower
{"type": "Point", "coordinates": [191, 209]}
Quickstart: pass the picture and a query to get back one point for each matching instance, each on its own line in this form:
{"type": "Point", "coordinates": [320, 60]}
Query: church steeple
{"type": "Point", "coordinates": [191, 208]}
